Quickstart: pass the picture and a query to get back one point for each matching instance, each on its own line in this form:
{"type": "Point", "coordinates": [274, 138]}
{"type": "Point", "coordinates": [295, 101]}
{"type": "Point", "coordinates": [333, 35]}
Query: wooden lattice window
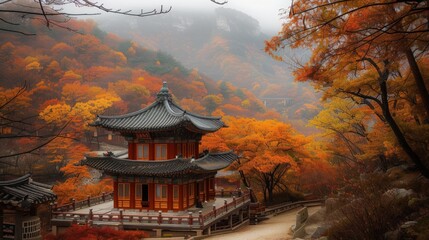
{"type": "Point", "coordinates": [161, 195]}
{"type": "Point", "coordinates": [143, 151]}
{"type": "Point", "coordinates": [123, 195]}
{"type": "Point", "coordinates": [160, 151]}
{"type": "Point", "coordinates": [175, 196]}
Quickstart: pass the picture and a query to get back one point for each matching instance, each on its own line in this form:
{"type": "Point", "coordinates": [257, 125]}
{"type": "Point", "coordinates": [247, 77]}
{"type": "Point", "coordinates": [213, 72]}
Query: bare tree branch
{"type": "Point", "coordinates": [219, 3]}
{"type": "Point", "coordinates": [38, 146]}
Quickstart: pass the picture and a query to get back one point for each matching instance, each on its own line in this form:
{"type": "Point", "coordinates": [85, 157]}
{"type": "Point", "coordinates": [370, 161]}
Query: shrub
{"type": "Point", "coordinates": [77, 232]}
{"type": "Point", "coordinates": [371, 211]}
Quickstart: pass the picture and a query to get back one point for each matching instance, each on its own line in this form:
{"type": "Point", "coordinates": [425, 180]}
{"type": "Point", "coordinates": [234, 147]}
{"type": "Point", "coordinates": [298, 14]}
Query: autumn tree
{"type": "Point", "coordinates": [269, 150]}
{"type": "Point", "coordinates": [21, 126]}
{"type": "Point", "coordinates": [355, 136]}
{"type": "Point", "coordinates": [211, 102]}
{"type": "Point", "coordinates": [359, 50]}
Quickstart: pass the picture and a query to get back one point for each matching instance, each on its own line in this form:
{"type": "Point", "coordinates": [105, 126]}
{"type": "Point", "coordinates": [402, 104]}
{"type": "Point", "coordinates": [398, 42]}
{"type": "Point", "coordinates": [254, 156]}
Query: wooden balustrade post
{"type": "Point", "coordinates": [90, 214]}
{"type": "Point", "coordinates": [88, 199]}
{"type": "Point", "coordinates": [226, 205]}
{"type": "Point", "coordinates": [103, 196]}
{"type": "Point", "coordinates": [159, 217]}
{"type": "Point", "coordinates": [73, 204]}
{"type": "Point", "coordinates": [200, 218]}
{"type": "Point", "coordinates": [121, 215]}
{"type": "Point", "coordinates": [235, 203]}
{"type": "Point", "coordinates": [190, 219]}
{"type": "Point", "coordinates": [214, 210]}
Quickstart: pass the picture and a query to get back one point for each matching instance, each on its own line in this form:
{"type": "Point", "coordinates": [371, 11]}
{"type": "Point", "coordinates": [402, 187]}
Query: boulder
{"type": "Point", "coordinates": [408, 224]}
{"type": "Point", "coordinates": [331, 204]}
{"type": "Point", "coordinates": [320, 232]}
{"type": "Point", "coordinates": [393, 235]}
{"type": "Point", "coordinates": [398, 193]}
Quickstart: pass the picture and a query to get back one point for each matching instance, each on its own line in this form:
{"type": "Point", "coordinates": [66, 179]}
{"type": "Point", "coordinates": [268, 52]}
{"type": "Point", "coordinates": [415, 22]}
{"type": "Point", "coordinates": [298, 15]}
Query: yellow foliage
{"type": "Point", "coordinates": [33, 66]}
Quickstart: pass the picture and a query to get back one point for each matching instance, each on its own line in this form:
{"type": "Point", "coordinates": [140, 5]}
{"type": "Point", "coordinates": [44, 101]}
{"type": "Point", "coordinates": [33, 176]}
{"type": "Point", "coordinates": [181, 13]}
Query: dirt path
{"type": "Point", "coordinates": [275, 228]}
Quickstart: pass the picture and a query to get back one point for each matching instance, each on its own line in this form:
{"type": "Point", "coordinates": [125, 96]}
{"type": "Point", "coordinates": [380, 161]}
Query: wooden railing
{"type": "Point", "coordinates": [198, 220]}
{"type": "Point", "coordinates": [277, 209]}
{"type": "Point", "coordinates": [223, 193]}
{"type": "Point", "coordinates": [74, 205]}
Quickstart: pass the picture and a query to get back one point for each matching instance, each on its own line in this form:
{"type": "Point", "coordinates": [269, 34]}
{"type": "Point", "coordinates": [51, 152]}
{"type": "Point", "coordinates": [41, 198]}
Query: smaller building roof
{"type": "Point", "coordinates": [210, 162]}
{"type": "Point", "coordinates": [24, 192]}
{"type": "Point", "coordinates": [162, 115]}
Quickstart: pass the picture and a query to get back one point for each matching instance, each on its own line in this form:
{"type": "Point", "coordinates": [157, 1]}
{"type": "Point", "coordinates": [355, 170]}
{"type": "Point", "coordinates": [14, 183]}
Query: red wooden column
{"type": "Point", "coordinates": [180, 197]}
{"type": "Point", "coordinates": [151, 151]}
{"type": "Point", "coordinates": [170, 197]}
{"type": "Point", "coordinates": [206, 189]}
{"type": "Point", "coordinates": [151, 197]}
{"type": "Point", "coordinates": [132, 151]}
{"type": "Point", "coordinates": [115, 193]}
{"type": "Point", "coordinates": [212, 187]}
{"type": "Point", "coordinates": [171, 150]}
{"type": "Point", "coordinates": [196, 192]}
{"type": "Point", "coordinates": [132, 194]}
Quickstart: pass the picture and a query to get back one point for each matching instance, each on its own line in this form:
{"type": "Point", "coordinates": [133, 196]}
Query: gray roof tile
{"type": "Point", "coordinates": [163, 114]}
{"type": "Point", "coordinates": [179, 166]}
{"type": "Point", "coordinates": [24, 190]}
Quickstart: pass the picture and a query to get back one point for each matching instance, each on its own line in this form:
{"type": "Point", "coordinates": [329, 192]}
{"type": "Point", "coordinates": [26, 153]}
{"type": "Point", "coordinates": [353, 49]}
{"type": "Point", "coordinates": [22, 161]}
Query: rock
{"type": "Point", "coordinates": [417, 203]}
{"type": "Point", "coordinates": [320, 231]}
{"type": "Point", "coordinates": [317, 217]}
{"type": "Point", "coordinates": [393, 235]}
{"type": "Point", "coordinates": [407, 230]}
{"type": "Point", "coordinates": [398, 193]}
{"type": "Point", "coordinates": [408, 224]}
{"type": "Point", "coordinates": [331, 205]}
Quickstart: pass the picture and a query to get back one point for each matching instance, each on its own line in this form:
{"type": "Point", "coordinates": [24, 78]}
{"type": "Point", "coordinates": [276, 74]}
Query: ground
{"type": "Point", "coordinates": [275, 228]}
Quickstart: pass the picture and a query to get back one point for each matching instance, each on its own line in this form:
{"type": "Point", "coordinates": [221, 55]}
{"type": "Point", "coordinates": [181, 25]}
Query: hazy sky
{"type": "Point", "coordinates": [265, 11]}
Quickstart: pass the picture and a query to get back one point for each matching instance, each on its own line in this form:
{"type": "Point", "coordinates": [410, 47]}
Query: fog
{"type": "Point", "coordinates": [265, 11]}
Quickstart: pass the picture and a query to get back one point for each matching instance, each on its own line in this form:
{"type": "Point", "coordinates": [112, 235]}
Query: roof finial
{"type": "Point", "coordinates": [164, 93]}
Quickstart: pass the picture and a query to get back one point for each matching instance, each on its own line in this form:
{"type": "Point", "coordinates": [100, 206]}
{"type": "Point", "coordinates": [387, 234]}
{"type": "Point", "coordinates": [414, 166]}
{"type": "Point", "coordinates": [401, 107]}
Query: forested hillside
{"type": "Point", "coordinates": [63, 79]}
{"type": "Point", "coordinates": [227, 45]}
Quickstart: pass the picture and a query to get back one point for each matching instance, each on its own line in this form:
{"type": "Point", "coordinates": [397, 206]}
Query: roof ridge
{"type": "Point", "coordinates": [195, 114]}
{"type": "Point", "coordinates": [15, 181]}
{"type": "Point", "coordinates": [171, 111]}
{"type": "Point", "coordinates": [161, 161]}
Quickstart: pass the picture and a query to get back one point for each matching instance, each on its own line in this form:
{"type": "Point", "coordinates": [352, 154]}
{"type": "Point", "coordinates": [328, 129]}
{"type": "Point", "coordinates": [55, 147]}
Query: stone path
{"type": "Point", "coordinates": [275, 228]}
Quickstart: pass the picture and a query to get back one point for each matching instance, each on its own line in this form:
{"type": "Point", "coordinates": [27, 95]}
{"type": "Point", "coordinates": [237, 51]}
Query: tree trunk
{"type": "Point", "coordinates": [397, 131]}
{"type": "Point", "coordinates": [253, 198]}
{"type": "Point", "coordinates": [418, 78]}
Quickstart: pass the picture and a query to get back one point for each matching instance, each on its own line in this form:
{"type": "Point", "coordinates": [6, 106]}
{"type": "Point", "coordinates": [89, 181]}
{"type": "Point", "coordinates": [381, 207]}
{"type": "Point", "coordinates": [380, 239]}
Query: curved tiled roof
{"type": "Point", "coordinates": [179, 166]}
{"type": "Point", "coordinates": [23, 192]}
{"type": "Point", "coordinates": [163, 114]}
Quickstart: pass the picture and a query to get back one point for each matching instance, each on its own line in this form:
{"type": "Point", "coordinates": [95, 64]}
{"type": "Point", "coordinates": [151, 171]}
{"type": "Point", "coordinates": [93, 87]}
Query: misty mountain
{"type": "Point", "coordinates": [225, 45]}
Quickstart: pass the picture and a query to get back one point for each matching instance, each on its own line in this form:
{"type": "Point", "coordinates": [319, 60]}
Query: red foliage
{"type": "Point", "coordinates": [77, 232]}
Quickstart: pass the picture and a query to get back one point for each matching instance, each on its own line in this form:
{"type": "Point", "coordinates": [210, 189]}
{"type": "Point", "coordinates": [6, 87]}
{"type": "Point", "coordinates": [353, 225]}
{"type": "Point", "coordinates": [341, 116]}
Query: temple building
{"type": "Point", "coordinates": [24, 208]}
{"type": "Point", "coordinates": [165, 170]}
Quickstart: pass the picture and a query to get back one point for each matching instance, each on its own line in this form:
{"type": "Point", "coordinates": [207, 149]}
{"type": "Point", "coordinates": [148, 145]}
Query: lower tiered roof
{"type": "Point", "coordinates": [210, 162]}
{"type": "Point", "coordinates": [24, 192]}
